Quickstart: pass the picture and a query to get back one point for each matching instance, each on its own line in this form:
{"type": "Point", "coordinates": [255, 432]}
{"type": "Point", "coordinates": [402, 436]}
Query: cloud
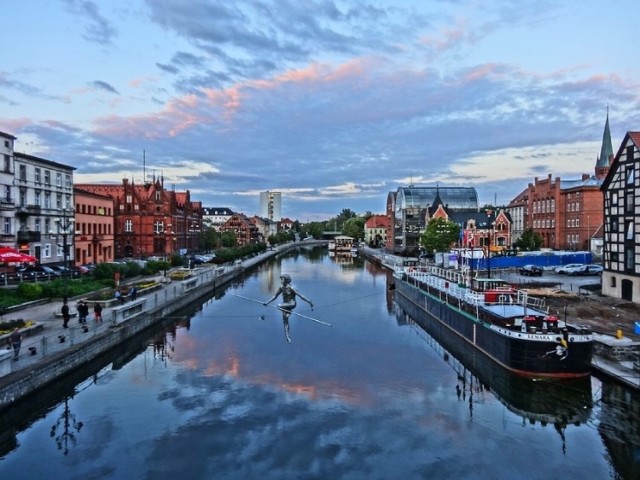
{"type": "Point", "coordinates": [99, 84]}
{"type": "Point", "coordinates": [98, 29]}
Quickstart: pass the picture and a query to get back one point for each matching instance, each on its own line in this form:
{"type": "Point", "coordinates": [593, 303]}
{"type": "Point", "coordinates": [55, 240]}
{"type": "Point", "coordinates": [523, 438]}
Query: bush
{"type": "Point", "coordinates": [30, 291]}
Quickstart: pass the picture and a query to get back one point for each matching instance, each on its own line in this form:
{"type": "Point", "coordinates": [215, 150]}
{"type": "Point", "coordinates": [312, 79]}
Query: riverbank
{"type": "Point", "coordinates": [615, 355]}
{"type": "Point", "coordinates": [56, 351]}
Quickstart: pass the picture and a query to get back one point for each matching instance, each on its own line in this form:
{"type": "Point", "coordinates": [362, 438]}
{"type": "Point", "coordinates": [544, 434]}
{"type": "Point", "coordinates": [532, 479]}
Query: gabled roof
{"type": "Point", "coordinates": [635, 139]}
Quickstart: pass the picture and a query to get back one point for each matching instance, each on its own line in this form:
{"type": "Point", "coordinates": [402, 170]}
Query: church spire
{"type": "Point", "coordinates": [606, 150]}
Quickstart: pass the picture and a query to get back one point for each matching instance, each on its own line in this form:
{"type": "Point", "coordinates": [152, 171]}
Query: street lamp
{"type": "Point", "coordinates": [65, 228]}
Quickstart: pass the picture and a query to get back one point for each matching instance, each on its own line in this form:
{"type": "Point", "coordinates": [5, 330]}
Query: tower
{"type": "Point", "coordinates": [270, 205]}
{"type": "Point", "coordinates": [606, 152]}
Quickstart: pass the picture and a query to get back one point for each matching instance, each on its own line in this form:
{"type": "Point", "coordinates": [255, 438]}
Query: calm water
{"type": "Point", "coordinates": [223, 395]}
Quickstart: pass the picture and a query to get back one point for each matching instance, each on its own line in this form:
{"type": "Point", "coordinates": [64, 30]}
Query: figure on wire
{"type": "Point", "coordinates": [289, 295]}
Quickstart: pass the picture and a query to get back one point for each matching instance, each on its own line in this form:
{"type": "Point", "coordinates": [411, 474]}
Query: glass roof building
{"type": "Point", "coordinates": [409, 206]}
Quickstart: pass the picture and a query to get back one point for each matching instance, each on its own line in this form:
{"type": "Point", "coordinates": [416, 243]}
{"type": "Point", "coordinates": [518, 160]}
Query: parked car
{"type": "Point", "coordinates": [37, 271]}
{"type": "Point", "coordinates": [530, 270]}
{"type": "Point", "coordinates": [590, 269]}
{"type": "Point", "coordinates": [569, 266]}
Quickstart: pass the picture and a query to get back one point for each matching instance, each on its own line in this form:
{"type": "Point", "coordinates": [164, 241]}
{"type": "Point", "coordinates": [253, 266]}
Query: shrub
{"type": "Point", "coordinates": [30, 291]}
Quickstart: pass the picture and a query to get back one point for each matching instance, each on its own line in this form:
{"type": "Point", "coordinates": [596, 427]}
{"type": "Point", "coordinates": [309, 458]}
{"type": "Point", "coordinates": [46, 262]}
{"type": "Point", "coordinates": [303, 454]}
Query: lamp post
{"type": "Point", "coordinates": [64, 228]}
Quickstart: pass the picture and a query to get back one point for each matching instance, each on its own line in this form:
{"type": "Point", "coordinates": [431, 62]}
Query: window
{"type": "Point", "coordinates": [59, 201]}
{"type": "Point", "coordinates": [47, 177]}
{"type": "Point", "coordinates": [629, 175]}
{"type": "Point", "coordinates": [613, 282]}
{"type": "Point", "coordinates": [37, 225]}
{"type": "Point", "coordinates": [7, 163]}
{"type": "Point", "coordinates": [23, 197]}
{"type": "Point", "coordinates": [629, 259]}
{"type": "Point", "coordinates": [67, 202]}
{"type": "Point", "coordinates": [47, 200]}
{"type": "Point", "coordinates": [129, 199]}
{"type": "Point", "coordinates": [7, 226]}
{"type": "Point", "coordinates": [158, 226]}
{"type": "Point", "coordinates": [23, 172]}
{"type": "Point", "coordinates": [629, 203]}
{"type": "Point", "coordinates": [46, 251]}
{"type": "Point", "coordinates": [7, 193]}
{"type": "Point", "coordinates": [38, 197]}
{"type": "Point", "coordinates": [59, 250]}
{"type": "Point", "coordinates": [128, 225]}
{"type": "Point", "coordinates": [68, 181]}
{"type": "Point", "coordinates": [629, 230]}
{"type": "Point", "coordinates": [47, 225]}
{"type": "Point", "coordinates": [158, 196]}
{"type": "Point", "coordinates": [58, 179]}
{"type": "Point", "coordinates": [38, 176]}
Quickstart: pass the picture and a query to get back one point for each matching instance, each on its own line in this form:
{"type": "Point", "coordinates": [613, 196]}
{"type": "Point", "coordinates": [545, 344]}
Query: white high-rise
{"type": "Point", "coordinates": [270, 203]}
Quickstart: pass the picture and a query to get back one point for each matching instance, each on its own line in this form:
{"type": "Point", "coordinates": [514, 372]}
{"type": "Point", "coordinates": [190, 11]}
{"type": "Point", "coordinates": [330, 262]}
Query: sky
{"type": "Point", "coordinates": [333, 103]}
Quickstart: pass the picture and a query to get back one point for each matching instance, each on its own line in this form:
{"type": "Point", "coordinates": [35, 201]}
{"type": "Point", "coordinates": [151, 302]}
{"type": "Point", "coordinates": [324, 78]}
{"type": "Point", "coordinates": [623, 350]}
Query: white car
{"type": "Point", "coordinates": [569, 267]}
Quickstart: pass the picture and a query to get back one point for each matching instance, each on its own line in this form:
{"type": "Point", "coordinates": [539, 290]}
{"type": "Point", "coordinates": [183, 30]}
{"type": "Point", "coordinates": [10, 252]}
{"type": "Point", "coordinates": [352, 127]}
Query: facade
{"type": "Point", "coordinates": [270, 205]}
{"type": "Point", "coordinates": [410, 212]}
{"type": "Point", "coordinates": [486, 229]}
{"type": "Point", "coordinates": [518, 211]}
{"type": "Point", "coordinates": [286, 224]}
{"type": "Point", "coordinates": [245, 231]}
{"type": "Point", "coordinates": [44, 216]}
{"type": "Point", "coordinates": [621, 189]}
{"type": "Point", "coordinates": [150, 220]}
{"type": "Point", "coordinates": [7, 192]}
{"type": "Point", "coordinates": [94, 232]}
{"type": "Point", "coordinates": [375, 230]}
{"type": "Point", "coordinates": [214, 217]}
{"type": "Point", "coordinates": [265, 227]}
{"type": "Point", "coordinates": [566, 213]}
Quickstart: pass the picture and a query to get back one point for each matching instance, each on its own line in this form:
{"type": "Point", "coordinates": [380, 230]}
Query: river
{"type": "Point", "coordinates": [220, 393]}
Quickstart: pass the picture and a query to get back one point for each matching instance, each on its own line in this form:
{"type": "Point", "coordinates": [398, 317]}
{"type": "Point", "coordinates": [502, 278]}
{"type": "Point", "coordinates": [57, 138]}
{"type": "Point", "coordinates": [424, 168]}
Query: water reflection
{"type": "Point", "coordinates": [64, 431]}
{"type": "Point", "coordinates": [545, 402]}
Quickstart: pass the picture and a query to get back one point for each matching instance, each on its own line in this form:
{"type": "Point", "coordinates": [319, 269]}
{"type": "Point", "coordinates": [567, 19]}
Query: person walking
{"type": "Point", "coordinates": [133, 292]}
{"type": "Point", "coordinates": [16, 341]}
{"type": "Point", "coordinates": [65, 315]}
{"type": "Point", "coordinates": [97, 312]}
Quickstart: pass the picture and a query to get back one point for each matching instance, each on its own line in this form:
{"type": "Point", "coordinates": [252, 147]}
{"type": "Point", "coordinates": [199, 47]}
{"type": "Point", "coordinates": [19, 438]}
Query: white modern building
{"type": "Point", "coordinates": [270, 205]}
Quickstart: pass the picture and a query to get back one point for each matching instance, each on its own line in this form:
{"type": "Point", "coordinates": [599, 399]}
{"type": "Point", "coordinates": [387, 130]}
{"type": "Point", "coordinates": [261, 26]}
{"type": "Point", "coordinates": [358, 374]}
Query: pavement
{"type": "Point", "coordinates": [53, 337]}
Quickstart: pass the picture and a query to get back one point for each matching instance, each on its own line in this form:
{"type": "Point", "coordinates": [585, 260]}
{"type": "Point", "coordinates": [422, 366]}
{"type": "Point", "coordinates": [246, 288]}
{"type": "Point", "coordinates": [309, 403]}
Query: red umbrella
{"type": "Point", "coordinates": [8, 255]}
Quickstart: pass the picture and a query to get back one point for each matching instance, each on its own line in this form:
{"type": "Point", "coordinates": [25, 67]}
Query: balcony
{"type": "Point", "coordinates": [25, 210]}
{"type": "Point", "coordinates": [7, 203]}
{"type": "Point", "coordinates": [26, 236]}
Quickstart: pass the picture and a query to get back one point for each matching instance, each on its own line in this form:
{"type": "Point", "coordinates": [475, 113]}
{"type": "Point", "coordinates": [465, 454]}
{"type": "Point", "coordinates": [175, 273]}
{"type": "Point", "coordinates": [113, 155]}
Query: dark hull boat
{"type": "Point", "coordinates": [497, 320]}
{"type": "Point", "coordinates": [549, 402]}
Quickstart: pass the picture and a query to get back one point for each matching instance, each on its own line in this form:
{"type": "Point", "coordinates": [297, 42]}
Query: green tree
{"type": "Point", "coordinates": [439, 235]}
{"type": "Point", "coordinates": [354, 227]}
{"type": "Point", "coordinates": [315, 229]}
{"type": "Point", "coordinates": [530, 240]}
{"type": "Point", "coordinates": [228, 239]}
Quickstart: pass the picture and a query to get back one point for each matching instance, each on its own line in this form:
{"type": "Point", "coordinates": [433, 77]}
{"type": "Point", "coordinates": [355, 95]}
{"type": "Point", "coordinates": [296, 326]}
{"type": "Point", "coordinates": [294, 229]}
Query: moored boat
{"type": "Point", "coordinates": [514, 330]}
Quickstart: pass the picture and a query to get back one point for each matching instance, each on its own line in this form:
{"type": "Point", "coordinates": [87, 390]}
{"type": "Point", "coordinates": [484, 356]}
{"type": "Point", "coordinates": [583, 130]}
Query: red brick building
{"type": "Point", "coordinates": [568, 214]}
{"type": "Point", "coordinates": [376, 230]}
{"type": "Point", "coordinates": [150, 220]}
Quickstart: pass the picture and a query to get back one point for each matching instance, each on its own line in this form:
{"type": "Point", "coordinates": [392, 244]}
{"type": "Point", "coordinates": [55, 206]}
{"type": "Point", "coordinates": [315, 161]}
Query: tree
{"type": "Point", "coordinates": [439, 235]}
{"type": "Point", "coordinates": [530, 240]}
{"type": "Point", "coordinates": [354, 227]}
{"type": "Point", "coordinates": [315, 229]}
{"type": "Point", "coordinates": [228, 239]}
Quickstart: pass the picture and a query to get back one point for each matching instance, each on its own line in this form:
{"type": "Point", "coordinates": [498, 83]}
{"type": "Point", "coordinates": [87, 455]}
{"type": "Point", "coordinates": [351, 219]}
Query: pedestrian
{"type": "Point", "coordinates": [133, 292]}
{"type": "Point", "coordinates": [65, 315]}
{"type": "Point", "coordinates": [83, 311]}
{"type": "Point", "coordinates": [119, 297]}
{"type": "Point", "coordinates": [16, 341]}
{"type": "Point", "coordinates": [97, 312]}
